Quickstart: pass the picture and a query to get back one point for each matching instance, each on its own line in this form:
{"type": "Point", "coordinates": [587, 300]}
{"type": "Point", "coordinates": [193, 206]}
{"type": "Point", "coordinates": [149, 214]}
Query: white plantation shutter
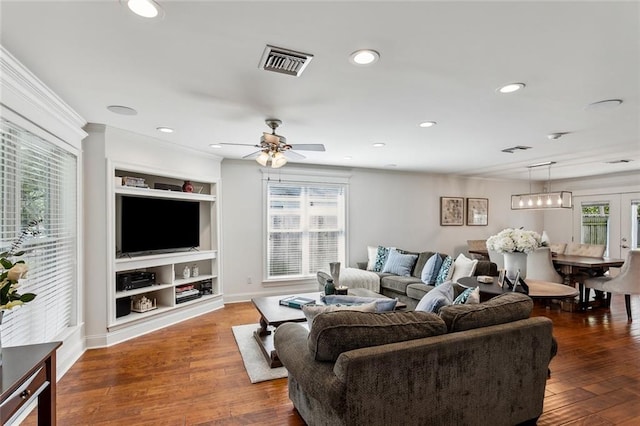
{"type": "Point", "coordinates": [38, 180]}
{"type": "Point", "coordinates": [305, 228]}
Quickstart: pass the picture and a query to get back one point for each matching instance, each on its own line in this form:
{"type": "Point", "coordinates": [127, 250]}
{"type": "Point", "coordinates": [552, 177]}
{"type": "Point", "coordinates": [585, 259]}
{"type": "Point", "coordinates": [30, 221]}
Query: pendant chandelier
{"type": "Point", "coordinates": [542, 200]}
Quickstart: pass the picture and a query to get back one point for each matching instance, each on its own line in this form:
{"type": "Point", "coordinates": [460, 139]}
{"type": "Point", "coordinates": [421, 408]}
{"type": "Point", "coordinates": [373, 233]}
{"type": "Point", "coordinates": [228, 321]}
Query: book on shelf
{"type": "Point", "coordinates": [296, 301]}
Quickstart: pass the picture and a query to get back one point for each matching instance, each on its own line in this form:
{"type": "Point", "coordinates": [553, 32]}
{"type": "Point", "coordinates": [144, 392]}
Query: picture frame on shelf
{"type": "Point", "coordinates": [477, 211]}
{"type": "Point", "coordinates": [451, 211]}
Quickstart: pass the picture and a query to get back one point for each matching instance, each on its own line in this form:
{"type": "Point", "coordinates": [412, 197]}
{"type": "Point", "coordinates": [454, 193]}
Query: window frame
{"type": "Point", "coordinates": [302, 177]}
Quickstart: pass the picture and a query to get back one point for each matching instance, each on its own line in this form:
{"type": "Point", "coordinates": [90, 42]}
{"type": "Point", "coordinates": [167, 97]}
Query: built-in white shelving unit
{"type": "Point", "coordinates": [168, 268]}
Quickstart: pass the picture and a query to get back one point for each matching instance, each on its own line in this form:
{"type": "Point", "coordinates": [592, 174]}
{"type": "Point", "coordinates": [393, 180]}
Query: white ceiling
{"type": "Point", "coordinates": [196, 70]}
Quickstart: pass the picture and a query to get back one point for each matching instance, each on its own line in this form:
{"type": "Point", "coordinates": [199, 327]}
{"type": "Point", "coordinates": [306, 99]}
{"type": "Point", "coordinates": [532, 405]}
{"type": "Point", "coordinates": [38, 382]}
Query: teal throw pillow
{"type": "Point", "coordinates": [431, 269]}
{"type": "Point", "coordinates": [469, 295]}
{"type": "Point", "coordinates": [399, 264]}
{"type": "Point", "coordinates": [381, 258]}
{"type": "Point", "coordinates": [437, 298]}
{"type": "Point", "coordinates": [443, 274]}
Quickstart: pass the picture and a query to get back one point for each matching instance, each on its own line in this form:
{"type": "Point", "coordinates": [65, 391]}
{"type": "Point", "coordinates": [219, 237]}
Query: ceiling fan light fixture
{"type": "Point", "coordinates": [263, 158]}
{"type": "Point", "coordinates": [278, 160]}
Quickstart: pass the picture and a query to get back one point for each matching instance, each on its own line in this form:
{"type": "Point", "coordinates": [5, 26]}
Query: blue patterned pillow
{"type": "Point", "coordinates": [443, 274]}
{"type": "Point", "coordinates": [399, 264]}
{"type": "Point", "coordinates": [381, 258]}
{"type": "Point", "coordinates": [431, 269]}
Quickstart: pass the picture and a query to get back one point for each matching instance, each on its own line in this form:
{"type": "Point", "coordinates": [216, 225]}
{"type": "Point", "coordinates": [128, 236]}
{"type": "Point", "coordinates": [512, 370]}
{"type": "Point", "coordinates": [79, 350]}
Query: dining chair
{"type": "Point", "coordinates": [477, 245]}
{"type": "Point", "coordinates": [540, 266]}
{"type": "Point", "coordinates": [588, 250]}
{"type": "Point", "coordinates": [627, 282]}
{"type": "Point", "coordinates": [558, 248]}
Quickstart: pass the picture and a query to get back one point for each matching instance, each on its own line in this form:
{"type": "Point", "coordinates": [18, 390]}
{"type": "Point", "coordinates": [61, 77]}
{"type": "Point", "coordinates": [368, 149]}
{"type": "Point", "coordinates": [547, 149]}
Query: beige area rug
{"type": "Point", "coordinates": [254, 361]}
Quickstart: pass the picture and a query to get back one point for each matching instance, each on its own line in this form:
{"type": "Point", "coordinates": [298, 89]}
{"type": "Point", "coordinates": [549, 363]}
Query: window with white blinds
{"type": "Point", "coordinates": [306, 228]}
{"type": "Point", "coordinates": [38, 180]}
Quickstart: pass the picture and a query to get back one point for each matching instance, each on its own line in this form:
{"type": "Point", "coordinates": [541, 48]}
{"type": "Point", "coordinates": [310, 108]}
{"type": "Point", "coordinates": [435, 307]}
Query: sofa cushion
{"type": "Point", "coordinates": [422, 259]}
{"type": "Point", "coordinates": [383, 304]}
{"type": "Point", "coordinates": [399, 264]}
{"type": "Point", "coordinates": [446, 271]}
{"type": "Point", "coordinates": [463, 267]}
{"type": "Point", "coordinates": [312, 311]}
{"type": "Point", "coordinates": [440, 296]}
{"type": "Point", "coordinates": [418, 290]}
{"type": "Point", "coordinates": [504, 308]}
{"type": "Point", "coordinates": [431, 269]}
{"type": "Point", "coordinates": [397, 283]}
{"type": "Point", "coordinates": [336, 332]}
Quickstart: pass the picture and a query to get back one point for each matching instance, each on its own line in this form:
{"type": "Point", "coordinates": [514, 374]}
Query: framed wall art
{"type": "Point", "coordinates": [451, 211]}
{"type": "Point", "coordinates": [477, 211]}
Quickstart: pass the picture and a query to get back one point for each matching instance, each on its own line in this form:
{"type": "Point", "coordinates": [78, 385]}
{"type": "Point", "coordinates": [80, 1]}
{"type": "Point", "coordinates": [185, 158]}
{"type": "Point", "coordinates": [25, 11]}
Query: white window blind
{"type": "Point", "coordinates": [306, 228]}
{"type": "Point", "coordinates": [38, 180]}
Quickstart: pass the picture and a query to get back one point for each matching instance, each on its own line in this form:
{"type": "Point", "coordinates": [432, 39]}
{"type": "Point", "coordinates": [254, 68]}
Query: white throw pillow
{"type": "Point", "coordinates": [372, 253]}
{"type": "Point", "coordinates": [463, 267]}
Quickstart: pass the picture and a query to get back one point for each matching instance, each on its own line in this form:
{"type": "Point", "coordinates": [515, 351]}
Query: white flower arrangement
{"type": "Point", "coordinates": [514, 240]}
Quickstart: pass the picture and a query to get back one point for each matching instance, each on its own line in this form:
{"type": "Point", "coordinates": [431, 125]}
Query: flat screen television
{"type": "Point", "coordinates": [158, 225]}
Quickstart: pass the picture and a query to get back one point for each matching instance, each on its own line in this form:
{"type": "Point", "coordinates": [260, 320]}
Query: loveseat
{"type": "Point", "coordinates": [410, 289]}
{"type": "Point", "coordinates": [472, 364]}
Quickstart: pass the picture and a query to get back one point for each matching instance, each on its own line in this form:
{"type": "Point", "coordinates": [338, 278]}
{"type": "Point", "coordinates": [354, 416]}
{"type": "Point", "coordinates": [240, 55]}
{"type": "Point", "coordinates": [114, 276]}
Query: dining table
{"type": "Point", "coordinates": [577, 268]}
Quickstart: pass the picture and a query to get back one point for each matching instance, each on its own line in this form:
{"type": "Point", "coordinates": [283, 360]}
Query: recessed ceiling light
{"type": "Point", "coordinates": [215, 145]}
{"type": "Point", "coordinates": [425, 124]}
{"type": "Point", "coordinates": [511, 87]}
{"type": "Point", "coordinates": [364, 57]}
{"type": "Point", "coordinates": [379, 144]}
{"type": "Point", "coordinates": [164, 129]}
{"type": "Point", "coordinates": [556, 135]}
{"type": "Point", "coordinates": [348, 157]}
{"type": "Point", "coordinates": [391, 165]}
{"type": "Point", "coordinates": [606, 104]}
{"type": "Point", "coordinates": [122, 110]}
{"type": "Point", "coordinates": [144, 8]}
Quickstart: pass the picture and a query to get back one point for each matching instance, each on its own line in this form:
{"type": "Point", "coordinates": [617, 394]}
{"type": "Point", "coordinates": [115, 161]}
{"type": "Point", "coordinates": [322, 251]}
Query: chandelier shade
{"type": "Point", "coordinates": [542, 200]}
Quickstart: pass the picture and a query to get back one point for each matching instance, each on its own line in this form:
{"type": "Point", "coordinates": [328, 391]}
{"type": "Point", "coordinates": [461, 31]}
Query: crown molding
{"type": "Point", "coordinates": [24, 94]}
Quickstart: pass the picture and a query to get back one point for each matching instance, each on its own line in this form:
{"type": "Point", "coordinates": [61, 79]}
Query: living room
{"type": "Point", "coordinates": [385, 205]}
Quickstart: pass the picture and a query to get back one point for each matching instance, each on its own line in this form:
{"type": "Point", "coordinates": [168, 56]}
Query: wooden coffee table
{"type": "Point", "coordinates": [272, 315]}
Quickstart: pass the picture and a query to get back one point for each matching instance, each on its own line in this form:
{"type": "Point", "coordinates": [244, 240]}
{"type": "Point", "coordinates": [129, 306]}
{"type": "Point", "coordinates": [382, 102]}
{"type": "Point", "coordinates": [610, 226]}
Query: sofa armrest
{"type": "Point", "coordinates": [317, 378]}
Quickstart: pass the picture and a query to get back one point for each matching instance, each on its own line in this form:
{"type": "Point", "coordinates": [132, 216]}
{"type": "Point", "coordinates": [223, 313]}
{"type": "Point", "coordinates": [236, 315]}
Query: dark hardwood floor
{"type": "Point", "coordinates": [192, 374]}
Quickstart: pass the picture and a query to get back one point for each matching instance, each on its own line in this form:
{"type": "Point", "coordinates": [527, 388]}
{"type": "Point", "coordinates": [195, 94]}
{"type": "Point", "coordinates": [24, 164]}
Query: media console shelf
{"type": "Point", "coordinates": [165, 296]}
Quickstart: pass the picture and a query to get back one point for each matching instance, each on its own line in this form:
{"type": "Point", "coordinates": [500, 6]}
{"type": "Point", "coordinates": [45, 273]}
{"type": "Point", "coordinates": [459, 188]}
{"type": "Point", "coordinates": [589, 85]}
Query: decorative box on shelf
{"type": "Point", "coordinates": [142, 304]}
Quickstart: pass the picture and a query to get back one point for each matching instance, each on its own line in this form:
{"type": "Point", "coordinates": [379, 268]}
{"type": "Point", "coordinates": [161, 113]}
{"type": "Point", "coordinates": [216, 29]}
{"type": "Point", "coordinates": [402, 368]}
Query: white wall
{"type": "Point", "coordinates": [385, 208]}
{"type": "Point", "coordinates": [558, 223]}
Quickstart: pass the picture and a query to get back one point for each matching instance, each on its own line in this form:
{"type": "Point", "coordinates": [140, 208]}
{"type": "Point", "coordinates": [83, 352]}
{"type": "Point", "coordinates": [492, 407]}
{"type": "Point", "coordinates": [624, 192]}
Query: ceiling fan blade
{"type": "Point", "coordinates": [308, 147]}
{"type": "Point", "coordinates": [293, 155]}
{"type": "Point", "coordinates": [239, 144]}
{"type": "Point", "coordinates": [253, 154]}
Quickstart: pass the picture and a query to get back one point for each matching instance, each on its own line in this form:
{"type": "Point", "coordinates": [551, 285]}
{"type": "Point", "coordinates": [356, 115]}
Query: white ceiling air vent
{"type": "Point", "coordinates": [285, 61]}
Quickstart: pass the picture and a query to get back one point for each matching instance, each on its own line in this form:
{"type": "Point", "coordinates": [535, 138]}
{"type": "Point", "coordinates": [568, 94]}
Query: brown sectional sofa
{"type": "Point", "coordinates": [411, 289]}
{"type": "Point", "coordinates": [417, 368]}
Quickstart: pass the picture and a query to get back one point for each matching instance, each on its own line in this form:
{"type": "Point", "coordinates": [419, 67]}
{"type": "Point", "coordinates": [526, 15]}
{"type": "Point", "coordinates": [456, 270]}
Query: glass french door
{"type": "Point", "coordinates": [610, 219]}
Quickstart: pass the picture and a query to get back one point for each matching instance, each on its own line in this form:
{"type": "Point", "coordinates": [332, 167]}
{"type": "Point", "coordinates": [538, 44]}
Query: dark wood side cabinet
{"type": "Point", "coordinates": [28, 372]}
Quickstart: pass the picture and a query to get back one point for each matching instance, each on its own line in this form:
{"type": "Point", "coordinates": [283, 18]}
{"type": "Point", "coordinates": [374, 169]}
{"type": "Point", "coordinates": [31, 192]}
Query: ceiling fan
{"type": "Point", "coordinates": [274, 149]}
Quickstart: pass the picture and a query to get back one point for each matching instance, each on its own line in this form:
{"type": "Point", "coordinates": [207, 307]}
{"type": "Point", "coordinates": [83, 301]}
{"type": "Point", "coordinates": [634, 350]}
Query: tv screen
{"type": "Point", "coordinates": [157, 224]}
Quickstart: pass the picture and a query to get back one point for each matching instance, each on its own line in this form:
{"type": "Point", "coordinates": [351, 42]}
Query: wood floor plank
{"type": "Point", "coordinates": [192, 374]}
